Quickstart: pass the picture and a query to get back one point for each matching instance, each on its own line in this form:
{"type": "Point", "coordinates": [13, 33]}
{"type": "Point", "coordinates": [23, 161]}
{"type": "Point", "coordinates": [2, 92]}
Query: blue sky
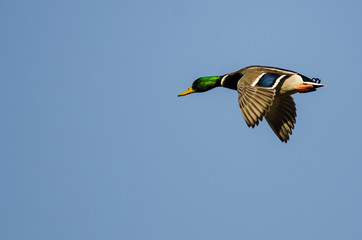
{"type": "Point", "coordinates": [96, 145]}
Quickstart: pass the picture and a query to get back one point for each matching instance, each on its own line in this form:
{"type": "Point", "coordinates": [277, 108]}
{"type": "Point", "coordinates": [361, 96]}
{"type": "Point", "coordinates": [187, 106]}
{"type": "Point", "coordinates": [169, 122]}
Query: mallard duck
{"type": "Point", "coordinates": [263, 92]}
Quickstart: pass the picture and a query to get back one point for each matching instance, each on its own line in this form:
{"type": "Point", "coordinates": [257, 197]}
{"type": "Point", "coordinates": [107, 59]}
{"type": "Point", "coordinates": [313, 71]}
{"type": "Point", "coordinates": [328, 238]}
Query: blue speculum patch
{"type": "Point", "coordinates": [268, 79]}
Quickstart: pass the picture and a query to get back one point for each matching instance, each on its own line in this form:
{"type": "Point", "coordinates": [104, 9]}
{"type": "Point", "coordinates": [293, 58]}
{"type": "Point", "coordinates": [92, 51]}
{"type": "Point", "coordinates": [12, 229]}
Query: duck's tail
{"type": "Point", "coordinates": [309, 85]}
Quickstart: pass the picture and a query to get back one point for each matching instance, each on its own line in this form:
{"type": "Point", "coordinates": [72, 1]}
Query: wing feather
{"type": "Point", "coordinates": [254, 102]}
{"type": "Point", "coordinates": [281, 116]}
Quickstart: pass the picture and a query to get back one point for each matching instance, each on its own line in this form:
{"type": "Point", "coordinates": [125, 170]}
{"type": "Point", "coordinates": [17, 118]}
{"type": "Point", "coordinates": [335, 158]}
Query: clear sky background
{"type": "Point", "coordinates": [96, 145]}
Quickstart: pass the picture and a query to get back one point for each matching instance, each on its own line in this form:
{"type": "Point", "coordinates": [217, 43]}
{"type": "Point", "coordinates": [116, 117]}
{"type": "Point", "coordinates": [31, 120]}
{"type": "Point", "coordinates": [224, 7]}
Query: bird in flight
{"type": "Point", "coordinates": [262, 92]}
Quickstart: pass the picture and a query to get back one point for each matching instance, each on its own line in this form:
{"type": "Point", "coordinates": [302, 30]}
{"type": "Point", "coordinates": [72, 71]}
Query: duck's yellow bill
{"type": "Point", "coordinates": [188, 91]}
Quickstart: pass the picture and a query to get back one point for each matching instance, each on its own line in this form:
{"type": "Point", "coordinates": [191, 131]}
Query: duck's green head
{"type": "Point", "coordinates": [202, 84]}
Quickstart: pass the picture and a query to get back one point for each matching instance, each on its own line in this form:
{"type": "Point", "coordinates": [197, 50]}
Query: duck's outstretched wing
{"type": "Point", "coordinates": [254, 101]}
{"type": "Point", "coordinates": [281, 116]}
